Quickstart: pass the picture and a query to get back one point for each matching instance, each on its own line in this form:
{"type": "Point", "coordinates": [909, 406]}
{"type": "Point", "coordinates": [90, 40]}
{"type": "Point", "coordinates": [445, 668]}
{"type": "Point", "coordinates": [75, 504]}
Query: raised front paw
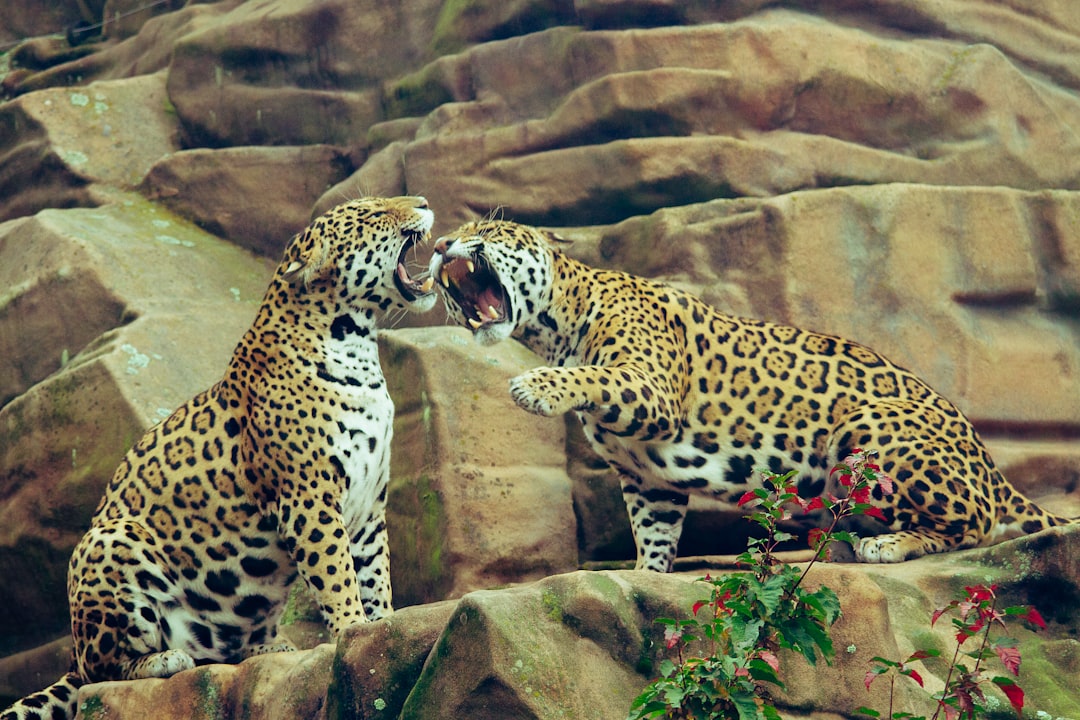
{"type": "Point", "coordinates": [540, 392]}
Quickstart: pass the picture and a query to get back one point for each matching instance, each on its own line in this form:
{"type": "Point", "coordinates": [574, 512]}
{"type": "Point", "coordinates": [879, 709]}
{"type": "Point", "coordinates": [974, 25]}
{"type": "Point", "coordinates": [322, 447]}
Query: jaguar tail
{"type": "Point", "coordinates": [59, 701]}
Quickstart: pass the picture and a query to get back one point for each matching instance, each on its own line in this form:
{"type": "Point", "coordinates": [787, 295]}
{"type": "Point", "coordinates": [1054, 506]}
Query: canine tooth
{"type": "Point", "coordinates": [492, 312]}
{"type": "Point", "coordinates": [470, 266]}
{"type": "Point", "coordinates": [474, 323]}
{"type": "Point", "coordinates": [445, 277]}
{"type": "Point", "coordinates": [428, 284]}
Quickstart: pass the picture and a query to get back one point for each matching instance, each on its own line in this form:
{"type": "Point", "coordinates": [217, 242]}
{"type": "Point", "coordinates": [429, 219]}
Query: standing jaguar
{"type": "Point", "coordinates": [279, 469]}
{"type": "Point", "coordinates": [680, 398]}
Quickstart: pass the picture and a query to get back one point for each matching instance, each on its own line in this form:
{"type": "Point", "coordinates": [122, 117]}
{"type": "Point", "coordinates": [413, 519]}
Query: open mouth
{"type": "Point", "coordinates": [411, 288]}
{"type": "Point", "coordinates": [476, 289]}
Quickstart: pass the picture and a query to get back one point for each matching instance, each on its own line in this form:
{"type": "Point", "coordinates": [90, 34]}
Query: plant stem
{"type": "Point", "coordinates": [948, 679]}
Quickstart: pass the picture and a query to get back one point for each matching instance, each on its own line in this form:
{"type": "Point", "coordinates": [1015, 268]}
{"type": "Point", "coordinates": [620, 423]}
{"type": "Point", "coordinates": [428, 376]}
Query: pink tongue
{"type": "Point", "coordinates": [489, 298]}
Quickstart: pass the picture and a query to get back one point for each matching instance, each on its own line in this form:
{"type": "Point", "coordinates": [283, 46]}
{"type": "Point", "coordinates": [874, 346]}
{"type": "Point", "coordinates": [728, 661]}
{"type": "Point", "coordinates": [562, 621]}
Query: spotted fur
{"type": "Point", "coordinates": [278, 470]}
{"type": "Point", "coordinates": [681, 399]}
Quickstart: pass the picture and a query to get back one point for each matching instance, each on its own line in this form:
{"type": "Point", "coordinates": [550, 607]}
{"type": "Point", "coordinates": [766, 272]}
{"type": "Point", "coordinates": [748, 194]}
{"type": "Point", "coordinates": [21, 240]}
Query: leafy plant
{"type": "Point", "coordinates": [963, 697]}
{"type": "Point", "coordinates": [750, 616]}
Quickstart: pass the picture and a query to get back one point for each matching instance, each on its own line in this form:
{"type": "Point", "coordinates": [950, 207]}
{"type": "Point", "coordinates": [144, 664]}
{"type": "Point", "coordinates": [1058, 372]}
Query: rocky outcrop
{"type": "Point", "coordinates": [584, 644]}
{"type": "Point", "coordinates": [903, 172]}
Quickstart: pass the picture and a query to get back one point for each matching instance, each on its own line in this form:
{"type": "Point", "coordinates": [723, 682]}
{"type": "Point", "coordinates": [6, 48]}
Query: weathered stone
{"type": "Point", "coordinates": [295, 74]}
{"type": "Point", "coordinates": [479, 494]}
{"type": "Point", "coordinates": [226, 191]}
{"type": "Point", "coordinates": [57, 143]}
{"type": "Point", "coordinates": [584, 644]}
{"type": "Point", "coordinates": [617, 123]}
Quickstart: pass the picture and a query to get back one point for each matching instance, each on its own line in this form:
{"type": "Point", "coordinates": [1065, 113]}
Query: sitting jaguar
{"type": "Point", "coordinates": [680, 398]}
{"type": "Point", "coordinates": [279, 469]}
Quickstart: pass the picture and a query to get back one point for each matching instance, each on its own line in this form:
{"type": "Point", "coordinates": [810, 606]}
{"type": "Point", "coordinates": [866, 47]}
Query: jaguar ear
{"type": "Point", "coordinates": [307, 259]}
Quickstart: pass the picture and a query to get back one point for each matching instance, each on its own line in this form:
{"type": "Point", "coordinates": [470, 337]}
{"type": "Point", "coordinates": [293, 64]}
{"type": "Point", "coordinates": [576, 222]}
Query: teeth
{"type": "Point", "coordinates": [474, 323]}
{"type": "Point", "coordinates": [445, 277]}
{"type": "Point", "coordinates": [428, 284]}
{"type": "Point", "coordinates": [470, 266]}
{"type": "Point", "coordinates": [493, 313]}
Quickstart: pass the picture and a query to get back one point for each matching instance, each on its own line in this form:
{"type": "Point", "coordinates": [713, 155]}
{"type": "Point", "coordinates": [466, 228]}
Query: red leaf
{"type": "Point", "coordinates": [870, 675]}
{"type": "Point", "coordinates": [815, 504]}
{"type": "Point", "coordinates": [814, 537]}
{"type": "Point", "coordinates": [1035, 618]}
{"type": "Point", "coordinates": [1014, 693]}
{"type": "Point", "coordinates": [886, 483]}
{"type": "Point", "coordinates": [914, 676]}
{"type": "Point", "coordinates": [845, 479]}
{"type": "Point", "coordinates": [861, 494]}
{"type": "Point", "coordinates": [770, 659]}
{"type": "Point", "coordinates": [938, 613]}
{"type": "Point", "coordinates": [747, 497]}
{"type": "Point", "coordinates": [875, 512]}
{"type": "Point", "coordinates": [964, 699]}
{"type": "Point", "coordinates": [978, 593]}
{"type": "Point", "coordinates": [698, 605]}
{"type": "Point", "coordinates": [1010, 658]}
{"type": "Point", "coordinates": [672, 635]}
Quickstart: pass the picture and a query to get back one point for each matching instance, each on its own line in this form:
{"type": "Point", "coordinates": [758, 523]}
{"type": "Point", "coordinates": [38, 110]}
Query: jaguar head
{"type": "Point", "coordinates": [367, 250]}
{"type": "Point", "coordinates": [495, 277]}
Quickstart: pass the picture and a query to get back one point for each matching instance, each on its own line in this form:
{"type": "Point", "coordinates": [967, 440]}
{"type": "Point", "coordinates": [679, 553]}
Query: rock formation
{"type": "Point", "coordinates": [903, 172]}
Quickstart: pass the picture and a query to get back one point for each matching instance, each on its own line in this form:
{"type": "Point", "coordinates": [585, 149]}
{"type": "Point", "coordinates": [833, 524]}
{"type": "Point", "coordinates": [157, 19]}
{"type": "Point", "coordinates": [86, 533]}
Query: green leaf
{"type": "Point", "coordinates": [746, 705]}
{"type": "Point", "coordinates": [769, 593]}
{"type": "Point", "coordinates": [867, 711]}
{"type": "Point", "coordinates": [666, 668]}
{"type": "Point", "coordinates": [763, 672]}
{"type": "Point", "coordinates": [844, 536]}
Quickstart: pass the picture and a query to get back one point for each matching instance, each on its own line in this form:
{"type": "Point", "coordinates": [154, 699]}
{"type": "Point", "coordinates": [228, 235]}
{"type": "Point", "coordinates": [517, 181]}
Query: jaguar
{"type": "Point", "coordinates": [682, 399]}
{"type": "Point", "coordinates": [277, 471]}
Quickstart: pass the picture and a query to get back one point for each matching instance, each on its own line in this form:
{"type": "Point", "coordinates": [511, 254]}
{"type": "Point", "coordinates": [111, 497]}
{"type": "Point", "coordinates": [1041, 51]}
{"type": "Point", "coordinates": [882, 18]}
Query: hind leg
{"type": "Point", "coordinates": [656, 519]}
{"type": "Point", "coordinates": [942, 487]}
{"type": "Point", "coordinates": [117, 581]}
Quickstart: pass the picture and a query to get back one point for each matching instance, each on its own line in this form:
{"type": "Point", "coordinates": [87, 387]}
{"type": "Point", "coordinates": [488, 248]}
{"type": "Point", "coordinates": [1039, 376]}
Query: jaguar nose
{"type": "Point", "coordinates": [443, 244]}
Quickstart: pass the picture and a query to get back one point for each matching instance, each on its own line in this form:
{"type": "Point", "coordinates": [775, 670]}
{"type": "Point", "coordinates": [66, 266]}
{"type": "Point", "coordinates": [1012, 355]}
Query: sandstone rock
{"type": "Point", "coordinates": [96, 323]}
{"type": "Point", "coordinates": [584, 644]}
{"type": "Point", "coordinates": [59, 143]}
{"type": "Point", "coordinates": [572, 128]}
{"type": "Point", "coordinates": [295, 73]}
{"type": "Point", "coordinates": [479, 494]}
{"type": "Point", "coordinates": [226, 191]}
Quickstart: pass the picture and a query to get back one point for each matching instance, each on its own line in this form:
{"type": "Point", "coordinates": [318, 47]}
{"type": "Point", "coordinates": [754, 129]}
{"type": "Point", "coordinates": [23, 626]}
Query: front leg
{"type": "Point", "coordinates": [314, 533]}
{"type": "Point", "coordinates": [656, 518]}
{"type": "Point", "coordinates": [626, 400]}
{"type": "Point", "coordinates": [371, 557]}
